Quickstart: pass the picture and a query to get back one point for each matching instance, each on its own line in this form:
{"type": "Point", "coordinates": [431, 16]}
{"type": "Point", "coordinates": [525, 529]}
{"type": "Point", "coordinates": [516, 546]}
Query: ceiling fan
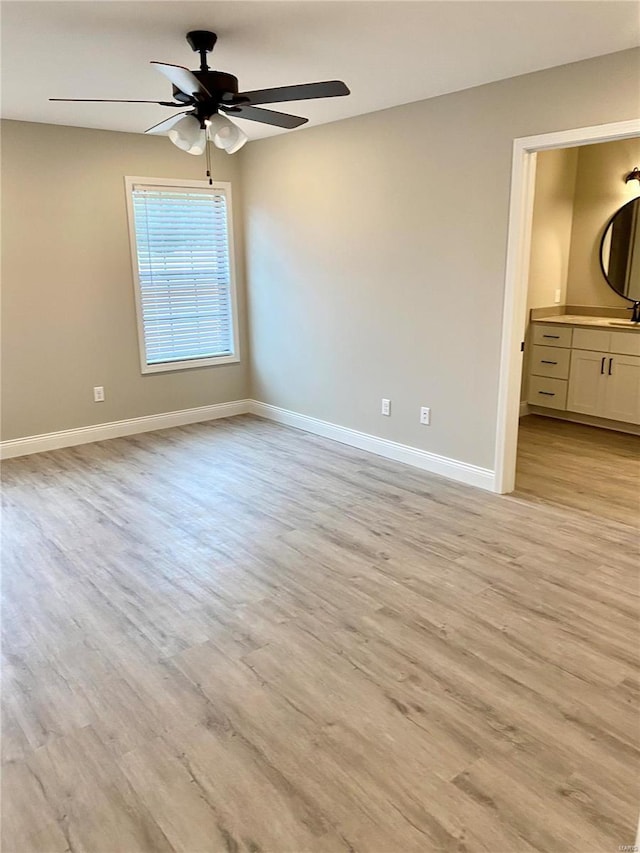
{"type": "Point", "coordinates": [211, 96]}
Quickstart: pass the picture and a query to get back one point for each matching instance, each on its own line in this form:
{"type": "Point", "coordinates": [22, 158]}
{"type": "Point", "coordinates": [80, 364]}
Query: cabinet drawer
{"type": "Point", "coordinates": [625, 343]}
{"type": "Point", "coordinates": [592, 339]}
{"type": "Point", "coordinates": [552, 336]}
{"type": "Point", "coordinates": [550, 361]}
{"type": "Point", "coordinates": [551, 393]}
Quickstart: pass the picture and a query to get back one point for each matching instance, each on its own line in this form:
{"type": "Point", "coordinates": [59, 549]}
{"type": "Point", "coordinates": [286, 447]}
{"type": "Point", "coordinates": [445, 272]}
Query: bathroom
{"type": "Point", "coordinates": [578, 440]}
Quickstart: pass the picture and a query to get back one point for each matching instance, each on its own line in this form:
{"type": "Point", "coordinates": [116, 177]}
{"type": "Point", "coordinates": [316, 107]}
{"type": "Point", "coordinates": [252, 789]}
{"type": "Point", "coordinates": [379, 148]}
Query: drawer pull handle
{"type": "Point", "coordinates": [548, 393]}
{"type": "Point", "coordinates": [544, 361]}
{"type": "Point", "coordinates": [551, 336]}
{"type": "Point", "coordinates": [602, 364]}
{"type": "Point", "coordinates": [610, 365]}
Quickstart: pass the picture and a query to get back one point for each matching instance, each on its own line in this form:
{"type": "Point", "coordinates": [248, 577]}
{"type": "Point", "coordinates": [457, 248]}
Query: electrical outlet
{"type": "Point", "coordinates": [558, 296]}
{"type": "Point", "coordinates": [386, 407]}
{"type": "Point", "coordinates": [425, 416]}
{"type": "Point", "coordinates": [98, 394]}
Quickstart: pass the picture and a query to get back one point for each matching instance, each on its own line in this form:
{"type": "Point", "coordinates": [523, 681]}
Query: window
{"type": "Point", "coordinates": [182, 253]}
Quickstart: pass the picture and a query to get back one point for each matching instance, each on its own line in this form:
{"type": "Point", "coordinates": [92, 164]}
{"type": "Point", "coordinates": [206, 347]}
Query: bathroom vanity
{"type": "Point", "coordinates": [585, 366]}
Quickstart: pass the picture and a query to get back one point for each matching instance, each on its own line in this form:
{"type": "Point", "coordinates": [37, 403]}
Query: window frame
{"type": "Point", "coordinates": [163, 367]}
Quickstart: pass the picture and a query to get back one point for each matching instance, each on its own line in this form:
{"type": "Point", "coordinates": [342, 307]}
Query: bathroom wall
{"type": "Point", "coordinates": [552, 226]}
{"type": "Point", "coordinates": [599, 191]}
{"type": "Point", "coordinates": [577, 191]}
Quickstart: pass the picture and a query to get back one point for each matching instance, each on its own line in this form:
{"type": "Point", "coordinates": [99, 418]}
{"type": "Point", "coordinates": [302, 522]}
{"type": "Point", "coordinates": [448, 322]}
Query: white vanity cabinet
{"type": "Point", "coordinates": [622, 390]}
{"type": "Point", "coordinates": [586, 391]}
{"type": "Point", "coordinates": [589, 371]}
{"type": "Point", "coordinates": [605, 385]}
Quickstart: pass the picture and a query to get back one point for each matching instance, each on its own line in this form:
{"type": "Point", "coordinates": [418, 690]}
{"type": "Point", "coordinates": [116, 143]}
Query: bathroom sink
{"type": "Point", "coordinates": [624, 324]}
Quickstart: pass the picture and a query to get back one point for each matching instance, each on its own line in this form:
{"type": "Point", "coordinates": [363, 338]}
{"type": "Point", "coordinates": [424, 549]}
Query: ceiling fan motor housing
{"type": "Point", "coordinates": [218, 84]}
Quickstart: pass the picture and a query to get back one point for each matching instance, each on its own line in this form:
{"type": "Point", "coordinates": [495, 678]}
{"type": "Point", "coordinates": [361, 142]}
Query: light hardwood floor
{"type": "Point", "coordinates": [583, 467]}
{"type": "Point", "coordinates": [240, 637]}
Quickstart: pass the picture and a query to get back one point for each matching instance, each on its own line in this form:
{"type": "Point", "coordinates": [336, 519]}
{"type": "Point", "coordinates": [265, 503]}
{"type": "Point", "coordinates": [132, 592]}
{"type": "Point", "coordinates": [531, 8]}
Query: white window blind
{"type": "Point", "coordinates": [184, 273]}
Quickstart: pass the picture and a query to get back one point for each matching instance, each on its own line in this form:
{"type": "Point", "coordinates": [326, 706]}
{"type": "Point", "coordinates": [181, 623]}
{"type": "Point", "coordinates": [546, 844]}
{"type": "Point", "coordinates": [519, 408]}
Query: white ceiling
{"type": "Point", "coordinates": [387, 52]}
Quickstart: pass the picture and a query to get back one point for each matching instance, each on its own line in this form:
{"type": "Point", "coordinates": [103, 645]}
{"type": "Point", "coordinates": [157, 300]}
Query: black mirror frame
{"type": "Point", "coordinates": [604, 234]}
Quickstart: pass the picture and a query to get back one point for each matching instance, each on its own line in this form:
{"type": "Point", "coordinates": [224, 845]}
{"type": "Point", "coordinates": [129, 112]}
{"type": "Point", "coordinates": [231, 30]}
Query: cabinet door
{"type": "Point", "coordinates": [587, 375]}
{"type": "Point", "coordinates": [622, 389]}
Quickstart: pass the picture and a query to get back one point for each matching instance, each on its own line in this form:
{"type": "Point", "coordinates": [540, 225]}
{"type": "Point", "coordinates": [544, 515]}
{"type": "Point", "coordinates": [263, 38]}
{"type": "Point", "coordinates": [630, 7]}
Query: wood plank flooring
{"type": "Point", "coordinates": [236, 637]}
{"type": "Point", "coordinates": [583, 467]}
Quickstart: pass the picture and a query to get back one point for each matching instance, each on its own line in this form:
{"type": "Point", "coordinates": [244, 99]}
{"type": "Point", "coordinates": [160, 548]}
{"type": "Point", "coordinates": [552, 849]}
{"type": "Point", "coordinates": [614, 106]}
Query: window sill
{"type": "Point", "coordinates": [170, 366]}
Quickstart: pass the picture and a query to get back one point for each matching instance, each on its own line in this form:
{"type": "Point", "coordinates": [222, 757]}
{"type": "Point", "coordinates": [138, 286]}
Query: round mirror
{"type": "Point", "coordinates": [620, 251]}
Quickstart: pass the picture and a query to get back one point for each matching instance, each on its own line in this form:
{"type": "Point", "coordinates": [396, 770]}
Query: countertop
{"type": "Point", "coordinates": [597, 322]}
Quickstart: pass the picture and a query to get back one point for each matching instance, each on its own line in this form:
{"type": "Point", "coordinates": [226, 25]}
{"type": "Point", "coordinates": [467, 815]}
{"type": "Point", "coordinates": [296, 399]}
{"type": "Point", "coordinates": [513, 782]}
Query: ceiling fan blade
{"type": "Point", "coordinates": [182, 79]}
{"type": "Point", "coordinates": [328, 89]}
{"type": "Point", "coordinates": [266, 116]}
{"type": "Point", "coordinates": [168, 123]}
{"type": "Point", "coordinates": [114, 101]}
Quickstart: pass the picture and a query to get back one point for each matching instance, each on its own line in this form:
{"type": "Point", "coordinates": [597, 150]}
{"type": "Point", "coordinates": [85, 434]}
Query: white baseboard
{"type": "Point", "coordinates": [117, 429]}
{"type": "Point", "coordinates": [524, 408]}
{"type": "Point", "coordinates": [463, 472]}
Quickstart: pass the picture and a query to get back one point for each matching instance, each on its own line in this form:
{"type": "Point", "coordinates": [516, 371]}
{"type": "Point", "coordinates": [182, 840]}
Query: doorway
{"type": "Point", "coordinates": [525, 151]}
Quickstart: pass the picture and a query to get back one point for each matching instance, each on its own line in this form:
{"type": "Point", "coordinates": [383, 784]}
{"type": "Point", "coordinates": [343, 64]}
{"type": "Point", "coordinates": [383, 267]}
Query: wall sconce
{"type": "Point", "coordinates": [634, 175]}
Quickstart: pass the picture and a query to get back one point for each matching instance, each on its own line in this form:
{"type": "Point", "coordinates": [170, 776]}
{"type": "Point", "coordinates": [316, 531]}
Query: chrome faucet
{"type": "Point", "coordinates": [635, 317]}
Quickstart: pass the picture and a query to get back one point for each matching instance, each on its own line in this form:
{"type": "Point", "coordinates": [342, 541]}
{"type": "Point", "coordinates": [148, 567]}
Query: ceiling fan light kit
{"type": "Point", "coordinates": [205, 93]}
{"type": "Point", "coordinates": [187, 135]}
{"type": "Point", "coordinates": [225, 134]}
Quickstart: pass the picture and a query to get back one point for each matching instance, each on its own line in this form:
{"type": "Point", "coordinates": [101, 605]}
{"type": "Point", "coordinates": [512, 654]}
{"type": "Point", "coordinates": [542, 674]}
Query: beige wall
{"type": "Point", "coordinates": [68, 312]}
{"type": "Point", "coordinates": [600, 191]}
{"type": "Point", "coordinates": [551, 226]}
{"type": "Point", "coordinates": [376, 249]}
{"type": "Point", "coordinates": [376, 253]}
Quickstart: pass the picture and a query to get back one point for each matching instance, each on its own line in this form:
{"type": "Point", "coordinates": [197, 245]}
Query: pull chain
{"type": "Point", "coordinates": [207, 146]}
